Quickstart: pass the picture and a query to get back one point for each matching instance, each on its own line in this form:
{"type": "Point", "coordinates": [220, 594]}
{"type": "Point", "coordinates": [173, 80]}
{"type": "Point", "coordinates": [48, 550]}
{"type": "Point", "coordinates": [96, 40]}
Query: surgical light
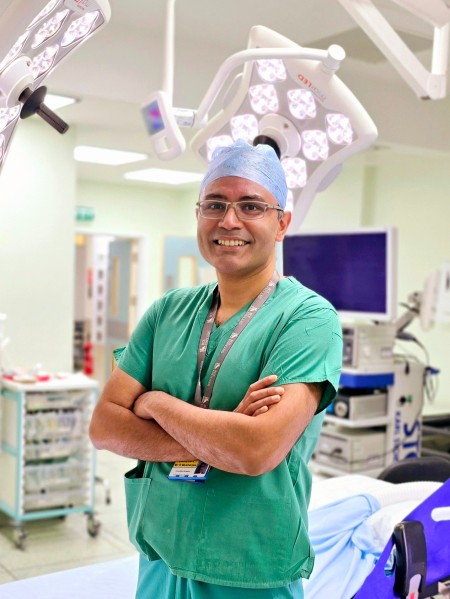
{"type": "Point", "coordinates": [295, 170]}
{"type": "Point", "coordinates": [315, 145]}
{"type": "Point", "coordinates": [244, 126]}
{"type": "Point", "coordinates": [17, 47]}
{"type": "Point", "coordinates": [217, 142]}
{"type": "Point", "coordinates": [286, 96]}
{"type": "Point", "coordinates": [339, 129]}
{"type": "Point", "coordinates": [35, 36]}
{"type": "Point", "coordinates": [301, 104]}
{"type": "Point", "coordinates": [263, 98]}
{"type": "Point", "coordinates": [80, 28]}
{"type": "Point", "coordinates": [271, 70]}
{"type": "Point", "coordinates": [44, 61]}
{"type": "Point", "coordinates": [290, 97]}
{"type": "Point", "coordinates": [49, 28]}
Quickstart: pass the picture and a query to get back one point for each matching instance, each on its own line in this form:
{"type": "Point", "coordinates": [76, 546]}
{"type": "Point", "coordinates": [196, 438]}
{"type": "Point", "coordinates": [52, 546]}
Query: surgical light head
{"type": "Point", "coordinates": [34, 37]}
{"type": "Point", "coordinates": [259, 164]}
{"type": "Point", "coordinates": [291, 98]}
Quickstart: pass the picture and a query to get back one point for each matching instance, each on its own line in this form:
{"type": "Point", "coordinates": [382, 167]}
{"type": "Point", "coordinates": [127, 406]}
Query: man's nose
{"type": "Point", "coordinates": [230, 219]}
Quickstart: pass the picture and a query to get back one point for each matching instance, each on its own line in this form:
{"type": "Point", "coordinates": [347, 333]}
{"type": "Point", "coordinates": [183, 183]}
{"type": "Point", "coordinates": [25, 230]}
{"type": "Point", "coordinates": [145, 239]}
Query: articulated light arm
{"type": "Point", "coordinates": [331, 60]}
{"type": "Point", "coordinates": [164, 121]}
{"type": "Point", "coordinates": [427, 84]}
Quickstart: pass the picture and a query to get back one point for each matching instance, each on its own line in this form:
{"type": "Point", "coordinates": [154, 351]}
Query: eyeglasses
{"type": "Point", "coordinates": [216, 210]}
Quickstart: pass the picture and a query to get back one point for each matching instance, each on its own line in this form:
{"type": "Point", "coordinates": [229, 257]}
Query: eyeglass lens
{"type": "Point", "coordinates": [244, 210]}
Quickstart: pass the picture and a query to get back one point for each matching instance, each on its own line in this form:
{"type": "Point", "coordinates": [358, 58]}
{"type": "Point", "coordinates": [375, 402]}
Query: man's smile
{"type": "Point", "coordinates": [230, 242]}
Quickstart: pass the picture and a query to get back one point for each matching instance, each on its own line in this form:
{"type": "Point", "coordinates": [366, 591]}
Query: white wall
{"type": "Point", "coordinates": [412, 193]}
{"type": "Point", "coordinates": [37, 199]}
{"type": "Point", "coordinates": [340, 206]}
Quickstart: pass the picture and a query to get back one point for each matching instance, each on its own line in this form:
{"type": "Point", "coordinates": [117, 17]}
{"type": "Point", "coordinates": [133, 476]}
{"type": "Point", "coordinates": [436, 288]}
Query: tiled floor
{"type": "Point", "coordinates": [54, 545]}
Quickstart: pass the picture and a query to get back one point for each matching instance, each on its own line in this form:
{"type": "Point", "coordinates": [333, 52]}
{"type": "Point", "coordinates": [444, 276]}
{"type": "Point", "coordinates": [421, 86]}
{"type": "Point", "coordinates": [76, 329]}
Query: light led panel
{"type": "Point", "coordinates": [35, 36]}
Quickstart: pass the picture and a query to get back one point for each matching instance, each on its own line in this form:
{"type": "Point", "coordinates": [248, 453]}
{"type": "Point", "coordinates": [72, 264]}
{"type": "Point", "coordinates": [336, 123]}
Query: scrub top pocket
{"type": "Point", "coordinates": [136, 493]}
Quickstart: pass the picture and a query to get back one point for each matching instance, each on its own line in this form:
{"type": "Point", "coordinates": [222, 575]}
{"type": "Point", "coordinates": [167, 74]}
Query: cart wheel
{"type": "Point", "coordinates": [20, 538]}
{"type": "Point", "coordinates": [93, 525]}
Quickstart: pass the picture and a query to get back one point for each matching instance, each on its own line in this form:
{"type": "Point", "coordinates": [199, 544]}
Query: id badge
{"type": "Point", "coordinates": [191, 472]}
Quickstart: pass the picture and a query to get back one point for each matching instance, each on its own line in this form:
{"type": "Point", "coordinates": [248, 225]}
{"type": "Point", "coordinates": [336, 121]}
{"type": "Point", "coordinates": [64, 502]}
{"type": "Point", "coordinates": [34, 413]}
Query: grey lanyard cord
{"type": "Point", "coordinates": [203, 400]}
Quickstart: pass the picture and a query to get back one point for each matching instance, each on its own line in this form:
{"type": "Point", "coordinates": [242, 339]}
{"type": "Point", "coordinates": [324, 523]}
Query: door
{"type": "Point", "coordinates": [121, 296]}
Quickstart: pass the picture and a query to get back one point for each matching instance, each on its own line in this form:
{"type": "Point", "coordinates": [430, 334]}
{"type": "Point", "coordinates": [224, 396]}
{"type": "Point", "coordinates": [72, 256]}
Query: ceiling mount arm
{"type": "Point", "coordinates": [169, 50]}
{"type": "Point", "coordinates": [158, 113]}
{"type": "Point", "coordinates": [427, 84]}
{"type": "Point", "coordinates": [440, 50]}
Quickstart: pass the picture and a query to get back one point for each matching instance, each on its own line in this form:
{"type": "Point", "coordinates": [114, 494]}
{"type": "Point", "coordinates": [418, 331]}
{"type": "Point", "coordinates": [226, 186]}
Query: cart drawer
{"type": "Point", "coordinates": [49, 477]}
{"type": "Point", "coordinates": [55, 499]}
{"type": "Point", "coordinates": [55, 424]}
{"type": "Point", "coordinates": [63, 448]}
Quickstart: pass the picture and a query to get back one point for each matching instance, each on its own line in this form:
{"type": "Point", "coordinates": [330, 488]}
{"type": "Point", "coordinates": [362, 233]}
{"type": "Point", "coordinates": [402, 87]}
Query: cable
{"type": "Point", "coordinates": [402, 336]}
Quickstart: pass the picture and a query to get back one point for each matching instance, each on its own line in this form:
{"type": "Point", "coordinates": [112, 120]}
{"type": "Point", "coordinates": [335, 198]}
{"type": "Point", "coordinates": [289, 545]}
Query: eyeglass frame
{"type": "Point", "coordinates": [228, 204]}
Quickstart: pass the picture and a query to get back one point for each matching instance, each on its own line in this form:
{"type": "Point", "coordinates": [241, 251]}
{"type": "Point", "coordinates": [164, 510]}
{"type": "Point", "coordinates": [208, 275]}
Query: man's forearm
{"type": "Point", "coordinates": [128, 435]}
{"type": "Point", "coordinates": [225, 440]}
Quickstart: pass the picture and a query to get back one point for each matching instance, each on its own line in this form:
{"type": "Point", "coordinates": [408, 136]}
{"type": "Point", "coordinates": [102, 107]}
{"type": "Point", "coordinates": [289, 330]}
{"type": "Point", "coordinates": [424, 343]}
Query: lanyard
{"type": "Point", "coordinates": [202, 400]}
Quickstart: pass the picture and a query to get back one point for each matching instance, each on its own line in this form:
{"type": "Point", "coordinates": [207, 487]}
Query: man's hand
{"type": "Point", "coordinates": [260, 397]}
{"type": "Point", "coordinates": [141, 406]}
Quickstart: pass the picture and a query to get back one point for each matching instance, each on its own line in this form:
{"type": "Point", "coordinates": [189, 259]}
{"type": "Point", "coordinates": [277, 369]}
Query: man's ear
{"type": "Point", "coordinates": [283, 225]}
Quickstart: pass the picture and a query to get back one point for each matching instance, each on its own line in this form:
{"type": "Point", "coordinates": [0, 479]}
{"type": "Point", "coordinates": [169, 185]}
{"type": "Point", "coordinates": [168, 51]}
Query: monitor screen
{"type": "Point", "coordinates": [354, 270]}
{"type": "Point", "coordinates": [153, 117]}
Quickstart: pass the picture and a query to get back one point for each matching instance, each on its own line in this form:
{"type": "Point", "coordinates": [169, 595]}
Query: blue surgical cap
{"type": "Point", "coordinates": [259, 164]}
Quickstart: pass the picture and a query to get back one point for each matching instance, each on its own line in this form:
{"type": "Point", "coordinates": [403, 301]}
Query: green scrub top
{"type": "Point", "coordinates": [157, 582]}
{"type": "Point", "coordinates": [233, 530]}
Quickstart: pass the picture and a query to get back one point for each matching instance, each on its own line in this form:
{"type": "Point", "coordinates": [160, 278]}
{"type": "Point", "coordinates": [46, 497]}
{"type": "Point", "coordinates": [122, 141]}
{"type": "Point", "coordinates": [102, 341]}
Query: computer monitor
{"type": "Point", "coordinates": [355, 270]}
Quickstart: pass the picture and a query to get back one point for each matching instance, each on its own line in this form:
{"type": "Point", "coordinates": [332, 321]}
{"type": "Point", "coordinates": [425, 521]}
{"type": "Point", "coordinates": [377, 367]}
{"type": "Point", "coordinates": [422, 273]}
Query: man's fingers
{"type": "Point", "coordinates": [262, 393]}
{"type": "Point", "coordinates": [267, 380]}
{"type": "Point", "coordinates": [260, 411]}
{"type": "Point", "coordinates": [259, 391]}
{"type": "Point", "coordinates": [252, 407]}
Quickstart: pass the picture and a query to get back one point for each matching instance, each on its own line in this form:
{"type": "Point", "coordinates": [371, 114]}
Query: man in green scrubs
{"type": "Point", "coordinates": [230, 380]}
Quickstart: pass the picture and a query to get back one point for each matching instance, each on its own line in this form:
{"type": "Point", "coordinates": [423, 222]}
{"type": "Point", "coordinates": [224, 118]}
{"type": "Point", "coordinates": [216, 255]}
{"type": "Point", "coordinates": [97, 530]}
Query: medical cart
{"type": "Point", "coordinates": [47, 463]}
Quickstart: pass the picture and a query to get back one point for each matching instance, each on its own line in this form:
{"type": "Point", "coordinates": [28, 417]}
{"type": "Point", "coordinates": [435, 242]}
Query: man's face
{"type": "Point", "coordinates": [234, 246]}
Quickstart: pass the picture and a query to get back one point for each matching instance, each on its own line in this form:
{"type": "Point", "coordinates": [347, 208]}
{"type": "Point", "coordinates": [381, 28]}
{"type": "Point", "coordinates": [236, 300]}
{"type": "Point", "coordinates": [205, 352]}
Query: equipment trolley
{"type": "Point", "coordinates": [47, 463]}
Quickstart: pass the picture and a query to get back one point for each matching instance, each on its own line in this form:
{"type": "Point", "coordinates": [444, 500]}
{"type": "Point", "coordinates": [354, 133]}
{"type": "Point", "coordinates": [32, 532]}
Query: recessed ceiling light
{"type": "Point", "coordinates": [55, 101]}
{"type": "Point", "coordinates": [166, 176]}
{"type": "Point", "coordinates": [106, 156]}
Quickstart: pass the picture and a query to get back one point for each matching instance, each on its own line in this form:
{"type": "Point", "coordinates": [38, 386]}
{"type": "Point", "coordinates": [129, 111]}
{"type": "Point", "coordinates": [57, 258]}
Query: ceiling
{"type": "Point", "coordinates": [114, 72]}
